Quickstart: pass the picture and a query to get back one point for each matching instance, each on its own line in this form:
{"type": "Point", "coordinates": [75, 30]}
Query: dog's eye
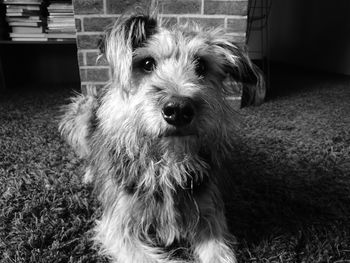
{"type": "Point", "coordinates": [200, 67]}
{"type": "Point", "coordinates": [148, 64]}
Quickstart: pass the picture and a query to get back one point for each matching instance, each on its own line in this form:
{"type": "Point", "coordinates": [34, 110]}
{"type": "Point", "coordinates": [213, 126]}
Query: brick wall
{"type": "Point", "coordinates": [92, 16]}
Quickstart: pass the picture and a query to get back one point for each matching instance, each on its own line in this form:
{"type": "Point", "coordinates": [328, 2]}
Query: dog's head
{"type": "Point", "coordinates": [167, 99]}
{"type": "Point", "coordinates": [167, 84]}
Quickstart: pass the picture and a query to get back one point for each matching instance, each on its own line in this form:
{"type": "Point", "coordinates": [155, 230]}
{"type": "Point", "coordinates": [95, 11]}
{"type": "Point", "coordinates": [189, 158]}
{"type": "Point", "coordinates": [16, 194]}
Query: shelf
{"type": "Point", "coordinates": [10, 42]}
{"type": "Point", "coordinates": [41, 63]}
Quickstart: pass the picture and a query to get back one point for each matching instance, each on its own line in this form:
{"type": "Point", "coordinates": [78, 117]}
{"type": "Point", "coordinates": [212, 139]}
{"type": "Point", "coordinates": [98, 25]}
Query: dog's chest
{"type": "Point", "coordinates": [165, 218]}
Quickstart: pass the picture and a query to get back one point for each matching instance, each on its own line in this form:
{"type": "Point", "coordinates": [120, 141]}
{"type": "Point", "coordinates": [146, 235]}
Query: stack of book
{"type": "Point", "coordinates": [60, 21]}
{"type": "Point", "coordinates": [25, 20]}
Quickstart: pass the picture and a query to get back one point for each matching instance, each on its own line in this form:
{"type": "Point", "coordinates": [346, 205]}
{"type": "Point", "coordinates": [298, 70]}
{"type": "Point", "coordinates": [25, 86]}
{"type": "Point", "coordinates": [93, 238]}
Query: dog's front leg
{"type": "Point", "coordinates": [214, 250]}
{"type": "Point", "coordinates": [118, 234]}
{"type": "Point", "coordinates": [211, 239]}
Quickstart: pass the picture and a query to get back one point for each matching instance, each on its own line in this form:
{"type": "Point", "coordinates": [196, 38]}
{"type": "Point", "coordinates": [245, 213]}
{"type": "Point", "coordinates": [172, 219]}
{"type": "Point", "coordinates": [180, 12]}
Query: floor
{"type": "Point", "coordinates": [287, 200]}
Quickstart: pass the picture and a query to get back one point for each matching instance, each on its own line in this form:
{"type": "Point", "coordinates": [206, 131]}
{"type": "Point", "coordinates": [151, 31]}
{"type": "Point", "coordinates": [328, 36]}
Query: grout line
{"type": "Point", "coordinates": [89, 50]}
{"type": "Point", "coordinates": [104, 7]}
{"type": "Point", "coordinates": [82, 25]}
{"type": "Point", "coordinates": [97, 15]}
{"type": "Point", "coordinates": [213, 16]}
{"type": "Point", "coordinates": [84, 58]}
{"type": "Point", "coordinates": [95, 67]}
{"type": "Point", "coordinates": [85, 33]}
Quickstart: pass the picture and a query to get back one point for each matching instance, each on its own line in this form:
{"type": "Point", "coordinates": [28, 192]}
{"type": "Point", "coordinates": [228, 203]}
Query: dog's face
{"type": "Point", "coordinates": [167, 89]}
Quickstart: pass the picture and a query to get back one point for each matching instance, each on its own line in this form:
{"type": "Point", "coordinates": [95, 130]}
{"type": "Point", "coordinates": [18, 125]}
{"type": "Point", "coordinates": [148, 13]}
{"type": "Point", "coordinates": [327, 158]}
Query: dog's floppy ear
{"type": "Point", "coordinates": [129, 32]}
{"type": "Point", "coordinates": [254, 92]}
{"type": "Point", "coordinates": [77, 123]}
{"type": "Point", "coordinates": [241, 69]}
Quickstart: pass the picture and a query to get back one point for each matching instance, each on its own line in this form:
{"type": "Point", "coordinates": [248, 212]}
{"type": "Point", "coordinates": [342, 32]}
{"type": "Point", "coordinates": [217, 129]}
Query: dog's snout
{"type": "Point", "coordinates": [178, 111]}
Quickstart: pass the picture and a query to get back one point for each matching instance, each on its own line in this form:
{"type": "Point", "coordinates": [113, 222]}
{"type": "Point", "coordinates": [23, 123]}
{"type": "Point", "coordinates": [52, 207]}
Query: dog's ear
{"type": "Point", "coordinates": [127, 34]}
{"type": "Point", "coordinates": [138, 29]}
{"type": "Point", "coordinates": [254, 92]}
{"type": "Point", "coordinates": [78, 122]}
{"type": "Point", "coordinates": [238, 65]}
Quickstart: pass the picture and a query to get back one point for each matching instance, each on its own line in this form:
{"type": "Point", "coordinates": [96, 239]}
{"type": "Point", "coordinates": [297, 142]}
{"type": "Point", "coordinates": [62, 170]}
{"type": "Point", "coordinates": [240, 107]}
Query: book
{"type": "Point", "coordinates": [63, 15]}
{"type": "Point", "coordinates": [26, 30]}
{"type": "Point", "coordinates": [61, 30]}
{"type": "Point", "coordinates": [24, 24]}
{"type": "Point", "coordinates": [29, 39]}
{"type": "Point", "coordinates": [60, 35]}
{"type": "Point", "coordinates": [60, 21]}
{"type": "Point", "coordinates": [64, 8]}
{"type": "Point", "coordinates": [29, 35]}
{"type": "Point", "coordinates": [23, 2]}
{"type": "Point", "coordinates": [23, 19]}
{"type": "Point", "coordinates": [14, 14]}
{"type": "Point", "coordinates": [21, 14]}
{"type": "Point", "coordinates": [21, 8]}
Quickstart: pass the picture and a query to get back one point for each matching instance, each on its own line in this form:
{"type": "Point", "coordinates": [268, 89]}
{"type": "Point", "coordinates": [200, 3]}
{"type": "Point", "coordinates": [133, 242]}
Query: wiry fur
{"type": "Point", "coordinates": [75, 126]}
{"type": "Point", "coordinates": [158, 189]}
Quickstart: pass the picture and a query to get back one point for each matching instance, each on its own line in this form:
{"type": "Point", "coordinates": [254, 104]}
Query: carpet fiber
{"type": "Point", "coordinates": [288, 200]}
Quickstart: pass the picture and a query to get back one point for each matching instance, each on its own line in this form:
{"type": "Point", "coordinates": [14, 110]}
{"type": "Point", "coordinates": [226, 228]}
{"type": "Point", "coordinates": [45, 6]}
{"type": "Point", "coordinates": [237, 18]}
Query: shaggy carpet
{"type": "Point", "coordinates": [288, 200]}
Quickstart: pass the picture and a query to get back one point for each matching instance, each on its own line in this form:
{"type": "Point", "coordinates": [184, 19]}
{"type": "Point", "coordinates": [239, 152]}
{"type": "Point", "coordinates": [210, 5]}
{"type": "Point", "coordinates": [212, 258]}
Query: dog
{"type": "Point", "coordinates": [156, 138]}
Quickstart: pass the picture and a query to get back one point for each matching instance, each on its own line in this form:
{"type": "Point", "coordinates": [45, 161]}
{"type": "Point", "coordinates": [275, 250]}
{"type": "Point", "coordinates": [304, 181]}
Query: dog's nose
{"type": "Point", "coordinates": [178, 111]}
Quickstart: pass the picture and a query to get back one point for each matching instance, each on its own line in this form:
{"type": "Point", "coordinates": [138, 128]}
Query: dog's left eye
{"type": "Point", "coordinates": [148, 64]}
{"type": "Point", "coordinates": [200, 67]}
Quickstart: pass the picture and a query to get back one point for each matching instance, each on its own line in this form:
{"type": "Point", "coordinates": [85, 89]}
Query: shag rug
{"type": "Point", "coordinates": [288, 200]}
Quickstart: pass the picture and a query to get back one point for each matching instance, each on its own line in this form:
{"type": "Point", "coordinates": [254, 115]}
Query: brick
{"type": "Point", "coordinates": [83, 89]}
{"type": "Point", "coordinates": [88, 7]}
{"type": "Point", "coordinates": [91, 59]}
{"type": "Point", "coordinates": [180, 6]}
{"type": "Point", "coordinates": [97, 23]}
{"type": "Point", "coordinates": [238, 39]}
{"type": "Point", "coordinates": [120, 6]}
{"type": "Point", "coordinates": [205, 22]}
{"type": "Point", "coordinates": [169, 21]}
{"type": "Point", "coordinates": [98, 88]}
{"type": "Point", "coordinates": [78, 24]}
{"type": "Point", "coordinates": [165, 6]}
{"type": "Point", "coordinates": [237, 24]}
{"type": "Point", "coordinates": [83, 75]}
{"type": "Point", "coordinates": [225, 7]}
{"type": "Point", "coordinates": [89, 41]}
{"type": "Point", "coordinates": [81, 58]}
{"type": "Point", "coordinates": [91, 88]}
{"type": "Point", "coordinates": [94, 74]}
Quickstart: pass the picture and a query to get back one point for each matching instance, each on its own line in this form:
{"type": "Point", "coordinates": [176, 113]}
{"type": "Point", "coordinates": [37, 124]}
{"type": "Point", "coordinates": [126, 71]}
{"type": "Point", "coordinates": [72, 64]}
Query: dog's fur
{"type": "Point", "coordinates": [156, 181]}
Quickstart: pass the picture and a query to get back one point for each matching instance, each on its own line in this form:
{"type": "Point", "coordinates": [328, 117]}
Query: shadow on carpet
{"type": "Point", "coordinates": [288, 199]}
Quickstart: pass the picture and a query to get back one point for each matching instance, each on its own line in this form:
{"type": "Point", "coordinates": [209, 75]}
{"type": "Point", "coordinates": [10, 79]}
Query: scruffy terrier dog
{"type": "Point", "coordinates": [155, 140]}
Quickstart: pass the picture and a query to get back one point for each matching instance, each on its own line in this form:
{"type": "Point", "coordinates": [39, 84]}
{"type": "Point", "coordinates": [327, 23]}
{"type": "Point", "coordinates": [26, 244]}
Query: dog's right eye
{"type": "Point", "coordinates": [148, 64]}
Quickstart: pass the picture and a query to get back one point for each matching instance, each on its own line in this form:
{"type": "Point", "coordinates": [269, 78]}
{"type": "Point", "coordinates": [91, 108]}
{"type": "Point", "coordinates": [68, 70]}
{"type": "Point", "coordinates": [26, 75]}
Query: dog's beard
{"type": "Point", "coordinates": [170, 162]}
{"type": "Point", "coordinates": [179, 148]}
